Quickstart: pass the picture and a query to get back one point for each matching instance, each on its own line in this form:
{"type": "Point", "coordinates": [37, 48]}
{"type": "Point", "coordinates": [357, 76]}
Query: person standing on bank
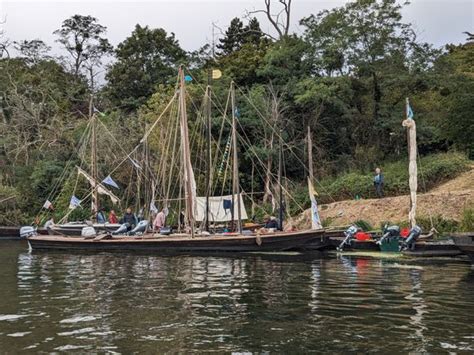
{"type": "Point", "coordinates": [378, 182]}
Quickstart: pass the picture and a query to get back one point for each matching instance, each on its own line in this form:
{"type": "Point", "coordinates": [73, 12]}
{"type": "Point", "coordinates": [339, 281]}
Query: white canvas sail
{"type": "Point", "coordinates": [217, 210]}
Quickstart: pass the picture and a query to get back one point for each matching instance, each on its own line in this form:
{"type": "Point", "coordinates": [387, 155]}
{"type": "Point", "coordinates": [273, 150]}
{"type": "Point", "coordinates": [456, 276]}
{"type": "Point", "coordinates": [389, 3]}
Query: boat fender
{"type": "Point", "coordinates": [88, 232]}
{"type": "Point", "coordinates": [258, 240]}
{"type": "Point", "coordinates": [27, 231]}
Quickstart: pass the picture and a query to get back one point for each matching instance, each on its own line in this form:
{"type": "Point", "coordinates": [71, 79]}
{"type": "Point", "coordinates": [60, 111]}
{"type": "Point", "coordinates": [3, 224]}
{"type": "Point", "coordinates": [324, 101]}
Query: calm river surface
{"type": "Point", "coordinates": [255, 303]}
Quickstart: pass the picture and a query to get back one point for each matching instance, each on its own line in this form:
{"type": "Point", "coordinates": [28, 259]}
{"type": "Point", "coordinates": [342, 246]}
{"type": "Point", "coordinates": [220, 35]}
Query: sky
{"type": "Point", "coordinates": [436, 21]}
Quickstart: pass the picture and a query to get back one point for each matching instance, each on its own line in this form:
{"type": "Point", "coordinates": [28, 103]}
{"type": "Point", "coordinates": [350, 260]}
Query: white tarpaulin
{"type": "Point", "coordinates": [217, 212]}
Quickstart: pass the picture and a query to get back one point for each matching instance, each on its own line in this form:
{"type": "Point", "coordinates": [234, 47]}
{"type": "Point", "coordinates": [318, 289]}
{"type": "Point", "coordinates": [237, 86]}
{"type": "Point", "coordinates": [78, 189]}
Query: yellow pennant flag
{"type": "Point", "coordinates": [216, 74]}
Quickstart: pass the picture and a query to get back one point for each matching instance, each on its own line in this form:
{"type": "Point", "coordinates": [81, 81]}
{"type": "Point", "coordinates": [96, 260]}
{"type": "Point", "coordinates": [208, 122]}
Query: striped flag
{"type": "Point", "coordinates": [48, 205]}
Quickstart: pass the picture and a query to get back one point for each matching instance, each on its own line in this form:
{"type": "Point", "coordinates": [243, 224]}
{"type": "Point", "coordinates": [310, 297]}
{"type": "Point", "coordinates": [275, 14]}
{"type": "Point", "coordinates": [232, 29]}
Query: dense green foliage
{"type": "Point", "coordinates": [346, 78]}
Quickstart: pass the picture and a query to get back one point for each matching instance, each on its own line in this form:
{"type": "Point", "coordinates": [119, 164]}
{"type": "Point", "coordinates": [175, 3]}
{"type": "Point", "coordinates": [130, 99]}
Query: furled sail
{"type": "Point", "coordinates": [412, 167]}
{"type": "Point", "coordinates": [220, 208]}
{"type": "Point", "coordinates": [101, 189]}
{"type": "Point", "coordinates": [189, 180]}
{"type": "Point", "coordinates": [315, 220]}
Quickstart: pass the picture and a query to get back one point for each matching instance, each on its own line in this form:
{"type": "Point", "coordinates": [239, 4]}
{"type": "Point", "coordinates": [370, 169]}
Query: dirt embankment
{"type": "Point", "coordinates": [447, 200]}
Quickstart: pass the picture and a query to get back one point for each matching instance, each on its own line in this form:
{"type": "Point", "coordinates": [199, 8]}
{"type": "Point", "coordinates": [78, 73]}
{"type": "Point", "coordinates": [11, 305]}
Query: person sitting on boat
{"type": "Point", "coordinates": [113, 217]}
{"type": "Point", "coordinates": [100, 217]}
{"type": "Point", "coordinates": [160, 219]}
{"type": "Point", "coordinates": [130, 218]}
{"type": "Point", "coordinates": [49, 223]}
{"type": "Point", "coordinates": [378, 182]}
{"type": "Point", "coordinates": [271, 223]}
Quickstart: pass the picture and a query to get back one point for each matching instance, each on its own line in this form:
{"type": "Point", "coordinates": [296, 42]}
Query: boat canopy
{"type": "Point", "coordinates": [219, 208]}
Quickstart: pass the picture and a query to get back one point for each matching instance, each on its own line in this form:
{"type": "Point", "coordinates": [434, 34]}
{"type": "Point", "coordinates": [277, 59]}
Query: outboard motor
{"type": "Point", "coordinates": [88, 232]}
{"type": "Point", "coordinates": [123, 229]}
{"type": "Point", "coordinates": [349, 236]}
{"type": "Point", "coordinates": [140, 228]}
{"type": "Point", "coordinates": [27, 231]}
{"type": "Point", "coordinates": [410, 241]}
{"type": "Point", "coordinates": [390, 238]}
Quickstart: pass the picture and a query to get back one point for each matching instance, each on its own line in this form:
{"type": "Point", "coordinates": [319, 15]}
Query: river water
{"type": "Point", "coordinates": [288, 303]}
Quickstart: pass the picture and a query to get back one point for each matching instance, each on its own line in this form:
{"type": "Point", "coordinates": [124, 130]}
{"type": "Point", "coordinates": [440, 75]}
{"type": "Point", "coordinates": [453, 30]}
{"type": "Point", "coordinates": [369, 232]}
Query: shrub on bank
{"type": "Point", "coordinates": [433, 170]}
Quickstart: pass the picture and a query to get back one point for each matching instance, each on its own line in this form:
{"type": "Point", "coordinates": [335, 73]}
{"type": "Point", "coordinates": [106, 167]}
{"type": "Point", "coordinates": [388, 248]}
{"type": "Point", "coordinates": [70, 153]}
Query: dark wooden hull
{"type": "Point", "coordinates": [7, 233]}
{"type": "Point", "coordinates": [320, 243]}
{"type": "Point", "coordinates": [181, 243]}
{"type": "Point", "coordinates": [465, 243]}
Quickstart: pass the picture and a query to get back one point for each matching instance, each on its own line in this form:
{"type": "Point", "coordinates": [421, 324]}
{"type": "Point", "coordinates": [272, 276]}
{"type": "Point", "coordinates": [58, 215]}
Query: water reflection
{"type": "Point", "coordinates": [254, 303]}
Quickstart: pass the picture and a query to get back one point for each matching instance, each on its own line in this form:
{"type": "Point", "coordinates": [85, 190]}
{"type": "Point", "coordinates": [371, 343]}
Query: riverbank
{"type": "Point", "coordinates": [446, 202]}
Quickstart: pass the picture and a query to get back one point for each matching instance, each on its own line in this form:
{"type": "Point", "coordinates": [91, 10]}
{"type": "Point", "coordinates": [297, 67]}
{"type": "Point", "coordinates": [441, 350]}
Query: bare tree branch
{"type": "Point", "coordinates": [281, 26]}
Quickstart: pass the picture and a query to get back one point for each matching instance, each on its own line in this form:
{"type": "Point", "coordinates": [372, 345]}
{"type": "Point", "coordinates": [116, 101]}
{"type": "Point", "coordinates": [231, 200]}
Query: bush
{"type": "Point", "coordinates": [442, 225]}
{"type": "Point", "coordinates": [467, 221]}
{"type": "Point", "coordinates": [364, 225]}
{"type": "Point", "coordinates": [432, 171]}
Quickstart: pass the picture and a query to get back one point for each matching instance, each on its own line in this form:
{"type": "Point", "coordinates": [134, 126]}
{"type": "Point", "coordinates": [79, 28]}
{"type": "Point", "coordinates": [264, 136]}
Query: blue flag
{"type": "Point", "coordinates": [74, 202]}
{"type": "Point", "coordinates": [188, 78]}
{"type": "Point", "coordinates": [109, 181]}
{"type": "Point", "coordinates": [237, 112]}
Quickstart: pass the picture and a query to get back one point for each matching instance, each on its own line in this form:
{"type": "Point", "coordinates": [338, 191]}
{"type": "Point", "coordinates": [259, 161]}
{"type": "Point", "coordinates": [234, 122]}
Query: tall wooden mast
{"type": "Point", "coordinates": [209, 153]}
{"type": "Point", "coordinates": [95, 199]}
{"type": "Point", "coordinates": [235, 165]}
{"type": "Point", "coordinates": [280, 181]}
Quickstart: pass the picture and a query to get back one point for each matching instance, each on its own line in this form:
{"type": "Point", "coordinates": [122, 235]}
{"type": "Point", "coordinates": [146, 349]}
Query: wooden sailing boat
{"type": "Point", "coordinates": [191, 240]}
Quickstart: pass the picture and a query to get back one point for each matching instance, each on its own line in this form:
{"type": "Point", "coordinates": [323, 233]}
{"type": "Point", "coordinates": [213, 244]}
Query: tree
{"type": "Point", "coordinates": [252, 33]}
{"type": "Point", "coordinates": [455, 78]}
{"type": "Point", "coordinates": [32, 51]}
{"type": "Point", "coordinates": [280, 20]}
{"type": "Point", "coordinates": [147, 58]}
{"type": "Point", "coordinates": [367, 40]}
{"type": "Point", "coordinates": [233, 38]}
{"type": "Point", "coordinates": [4, 43]}
{"type": "Point", "coordinates": [82, 37]}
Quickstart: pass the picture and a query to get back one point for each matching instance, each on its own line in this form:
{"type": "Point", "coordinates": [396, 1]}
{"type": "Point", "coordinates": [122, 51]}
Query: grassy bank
{"type": "Point", "coordinates": [433, 170]}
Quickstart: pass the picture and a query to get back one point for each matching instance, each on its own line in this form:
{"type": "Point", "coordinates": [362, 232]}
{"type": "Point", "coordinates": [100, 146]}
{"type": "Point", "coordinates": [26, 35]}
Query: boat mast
{"type": "Point", "coordinates": [235, 165]}
{"type": "Point", "coordinates": [188, 170]}
{"type": "Point", "coordinates": [95, 200]}
{"type": "Point", "coordinates": [280, 182]}
{"type": "Point", "coordinates": [209, 153]}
